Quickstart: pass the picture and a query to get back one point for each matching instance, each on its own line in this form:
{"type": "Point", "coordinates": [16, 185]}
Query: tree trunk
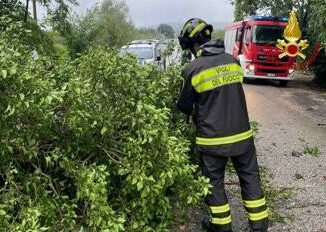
{"type": "Point", "coordinates": [26, 11]}
{"type": "Point", "coordinates": [306, 17]}
{"type": "Point", "coordinates": [34, 10]}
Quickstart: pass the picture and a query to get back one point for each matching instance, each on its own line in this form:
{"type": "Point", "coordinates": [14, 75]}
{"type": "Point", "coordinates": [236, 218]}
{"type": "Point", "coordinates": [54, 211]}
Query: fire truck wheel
{"type": "Point", "coordinates": [284, 83]}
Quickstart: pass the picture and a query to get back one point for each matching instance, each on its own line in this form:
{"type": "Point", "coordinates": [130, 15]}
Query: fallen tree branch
{"type": "Point", "coordinates": [48, 177]}
{"type": "Point", "coordinates": [115, 159]}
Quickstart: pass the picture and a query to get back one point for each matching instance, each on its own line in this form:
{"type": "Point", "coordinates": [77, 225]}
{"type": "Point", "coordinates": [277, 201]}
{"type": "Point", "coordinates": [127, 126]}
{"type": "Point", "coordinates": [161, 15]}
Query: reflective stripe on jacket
{"type": "Point", "coordinates": [213, 93]}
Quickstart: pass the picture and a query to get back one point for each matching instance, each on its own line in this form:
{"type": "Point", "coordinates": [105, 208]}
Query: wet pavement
{"type": "Point", "coordinates": [292, 119]}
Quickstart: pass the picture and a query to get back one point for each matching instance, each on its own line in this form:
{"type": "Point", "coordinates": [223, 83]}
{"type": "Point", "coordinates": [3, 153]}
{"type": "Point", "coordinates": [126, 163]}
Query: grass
{"type": "Point", "coordinates": [310, 150]}
{"type": "Point", "coordinates": [255, 127]}
{"type": "Point", "coordinates": [313, 151]}
{"type": "Point", "coordinates": [275, 197]}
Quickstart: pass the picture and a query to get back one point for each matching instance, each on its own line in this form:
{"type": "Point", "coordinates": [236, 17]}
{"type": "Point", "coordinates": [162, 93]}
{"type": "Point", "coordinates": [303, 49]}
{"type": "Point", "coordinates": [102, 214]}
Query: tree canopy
{"type": "Point", "coordinates": [166, 30]}
{"type": "Point", "coordinates": [280, 8]}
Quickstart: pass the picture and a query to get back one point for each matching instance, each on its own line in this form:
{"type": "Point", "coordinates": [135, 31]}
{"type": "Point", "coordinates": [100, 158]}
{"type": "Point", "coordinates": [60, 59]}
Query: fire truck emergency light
{"type": "Point", "coordinates": [268, 18]}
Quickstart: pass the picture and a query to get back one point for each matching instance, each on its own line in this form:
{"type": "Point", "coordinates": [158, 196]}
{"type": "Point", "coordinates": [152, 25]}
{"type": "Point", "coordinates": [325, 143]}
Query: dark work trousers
{"type": "Point", "coordinates": [253, 198]}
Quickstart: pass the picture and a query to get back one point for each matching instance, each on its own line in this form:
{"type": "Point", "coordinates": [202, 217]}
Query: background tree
{"type": "Point", "coordinates": [166, 30]}
{"type": "Point", "coordinates": [317, 32]}
{"type": "Point", "coordinates": [280, 8]}
{"type": "Point", "coordinates": [318, 24]}
{"type": "Point", "coordinates": [218, 34]}
{"type": "Point", "coordinates": [106, 24]}
{"type": "Point", "coordinates": [38, 38]}
{"type": "Point", "coordinates": [12, 12]}
{"type": "Point", "coordinates": [244, 8]}
{"type": "Point", "coordinates": [12, 8]}
{"type": "Point", "coordinates": [144, 33]}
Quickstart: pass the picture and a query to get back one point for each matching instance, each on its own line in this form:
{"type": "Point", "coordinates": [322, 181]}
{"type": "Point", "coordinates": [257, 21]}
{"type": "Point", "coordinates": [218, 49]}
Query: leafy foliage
{"type": "Point", "coordinates": [27, 33]}
{"type": "Point", "coordinates": [13, 8]}
{"type": "Point", "coordinates": [318, 33]}
{"type": "Point", "coordinates": [58, 12]}
{"type": "Point", "coordinates": [318, 23]}
{"type": "Point", "coordinates": [280, 8]}
{"type": "Point", "coordinates": [319, 68]}
{"type": "Point", "coordinates": [93, 143]}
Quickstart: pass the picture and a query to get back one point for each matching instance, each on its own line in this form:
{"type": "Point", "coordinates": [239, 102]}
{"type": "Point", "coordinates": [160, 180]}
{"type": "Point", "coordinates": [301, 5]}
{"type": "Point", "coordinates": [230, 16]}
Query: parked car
{"type": "Point", "coordinates": [153, 52]}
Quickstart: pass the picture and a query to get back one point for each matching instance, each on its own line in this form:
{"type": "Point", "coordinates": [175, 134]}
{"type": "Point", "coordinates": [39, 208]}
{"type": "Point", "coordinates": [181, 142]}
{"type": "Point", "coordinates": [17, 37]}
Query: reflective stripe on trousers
{"type": "Point", "coordinates": [221, 215]}
{"type": "Point", "coordinates": [256, 209]}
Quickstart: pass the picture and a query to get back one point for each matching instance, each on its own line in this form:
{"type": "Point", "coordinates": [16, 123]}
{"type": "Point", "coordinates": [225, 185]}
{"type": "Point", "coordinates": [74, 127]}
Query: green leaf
{"type": "Point", "coordinates": [104, 130]}
{"type": "Point", "coordinates": [48, 99]}
{"type": "Point", "coordinates": [139, 185]}
{"type": "Point", "coordinates": [13, 71]}
{"type": "Point", "coordinates": [4, 73]}
{"type": "Point", "coordinates": [2, 212]}
{"type": "Point", "coordinates": [21, 96]}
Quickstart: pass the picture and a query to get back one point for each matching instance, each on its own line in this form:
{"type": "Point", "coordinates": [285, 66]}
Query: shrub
{"type": "Point", "coordinates": [93, 143]}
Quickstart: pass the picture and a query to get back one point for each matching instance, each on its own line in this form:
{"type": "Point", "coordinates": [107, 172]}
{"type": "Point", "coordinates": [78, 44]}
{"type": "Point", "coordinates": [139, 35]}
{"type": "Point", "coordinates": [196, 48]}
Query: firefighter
{"type": "Point", "coordinates": [213, 96]}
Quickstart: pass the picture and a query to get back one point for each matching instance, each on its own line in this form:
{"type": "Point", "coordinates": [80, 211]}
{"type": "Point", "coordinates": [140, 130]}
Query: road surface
{"type": "Point", "coordinates": [291, 118]}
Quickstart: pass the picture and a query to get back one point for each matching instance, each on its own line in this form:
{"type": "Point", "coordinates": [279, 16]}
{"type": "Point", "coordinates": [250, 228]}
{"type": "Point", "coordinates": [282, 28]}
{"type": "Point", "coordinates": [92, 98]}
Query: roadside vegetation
{"type": "Point", "coordinates": [276, 198]}
{"type": "Point", "coordinates": [90, 140]}
{"type": "Point", "coordinates": [309, 149]}
{"type": "Point", "coordinates": [91, 143]}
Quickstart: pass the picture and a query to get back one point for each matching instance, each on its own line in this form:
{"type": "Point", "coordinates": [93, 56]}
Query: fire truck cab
{"type": "Point", "coordinates": [253, 43]}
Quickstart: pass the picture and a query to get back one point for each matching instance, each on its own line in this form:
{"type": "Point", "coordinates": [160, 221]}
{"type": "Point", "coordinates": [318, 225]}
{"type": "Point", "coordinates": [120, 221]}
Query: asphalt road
{"type": "Point", "coordinates": [290, 118]}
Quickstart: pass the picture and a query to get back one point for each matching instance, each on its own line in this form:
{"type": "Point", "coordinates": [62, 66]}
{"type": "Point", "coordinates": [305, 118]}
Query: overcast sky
{"type": "Point", "coordinates": [153, 12]}
{"type": "Point", "coordinates": [149, 12]}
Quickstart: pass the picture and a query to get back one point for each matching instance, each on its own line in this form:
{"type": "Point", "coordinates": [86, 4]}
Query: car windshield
{"type": "Point", "coordinates": [267, 34]}
{"type": "Point", "coordinates": [141, 52]}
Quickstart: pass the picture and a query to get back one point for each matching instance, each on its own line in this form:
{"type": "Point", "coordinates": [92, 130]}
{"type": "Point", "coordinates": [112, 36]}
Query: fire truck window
{"type": "Point", "coordinates": [226, 41]}
{"type": "Point", "coordinates": [247, 37]}
{"type": "Point", "coordinates": [234, 32]}
{"type": "Point", "coordinates": [239, 34]}
{"type": "Point", "coordinates": [267, 34]}
{"type": "Point", "coordinates": [229, 41]}
{"type": "Point", "coordinates": [227, 34]}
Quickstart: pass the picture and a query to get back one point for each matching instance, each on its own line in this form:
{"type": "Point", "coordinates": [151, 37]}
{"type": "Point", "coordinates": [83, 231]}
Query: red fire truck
{"type": "Point", "coordinates": [253, 43]}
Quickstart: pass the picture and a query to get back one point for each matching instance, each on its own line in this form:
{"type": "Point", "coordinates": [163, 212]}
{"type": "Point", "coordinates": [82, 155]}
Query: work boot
{"type": "Point", "coordinates": [207, 225]}
{"type": "Point", "coordinates": [259, 226]}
